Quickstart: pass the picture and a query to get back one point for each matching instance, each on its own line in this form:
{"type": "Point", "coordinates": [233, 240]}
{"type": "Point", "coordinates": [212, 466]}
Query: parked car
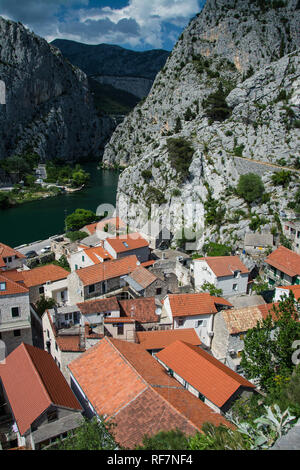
{"type": "Point", "coordinates": [31, 254]}
{"type": "Point", "coordinates": [46, 249]}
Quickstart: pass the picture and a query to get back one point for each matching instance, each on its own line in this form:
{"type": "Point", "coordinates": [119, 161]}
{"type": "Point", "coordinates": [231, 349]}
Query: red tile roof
{"type": "Point", "coordinates": [240, 320]}
{"type": "Point", "coordinates": [141, 309]}
{"type": "Point", "coordinates": [132, 240]}
{"type": "Point", "coordinates": [6, 252]}
{"type": "Point", "coordinates": [39, 276]}
{"type": "Point", "coordinates": [97, 252]}
{"type": "Point", "coordinates": [99, 306]}
{"type": "Point", "coordinates": [125, 383]}
{"type": "Point", "coordinates": [294, 289]}
{"type": "Point", "coordinates": [267, 309]}
{"type": "Point", "coordinates": [116, 222]}
{"type": "Point", "coordinates": [225, 265]}
{"type": "Point", "coordinates": [206, 374]}
{"type": "Point", "coordinates": [285, 260]}
{"type": "Point", "coordinates": [108, 270]}
{"type": "Point", "coordinates": [195, 304]}
{"type": "Point", "coordinates": [161, 339]}
{"type": "Point", "coordinates": [32, 382]}
{"type": "Point", "coordinates": [11, 287]}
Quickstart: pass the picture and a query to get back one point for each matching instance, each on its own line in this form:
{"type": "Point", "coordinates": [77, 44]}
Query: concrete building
{"type": "Point", "coordinates": [282, 268]}
{"type": "Point", "coordinates": [85, 257]}
{"type": "Point", "coordinates": [15, 324]}
{"type": "Point", "coordinates": [224, 272]}
{"type": "Point", "coordinates": [39, 403]}
{"type": "Point", "coordinates": [128, 245]}
{"type": "Point", "coordinates": [193, 311]}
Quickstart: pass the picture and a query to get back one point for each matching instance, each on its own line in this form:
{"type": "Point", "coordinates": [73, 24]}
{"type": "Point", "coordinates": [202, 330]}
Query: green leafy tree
{"type": "Point", "coordinates": [80, 177]}
{"type": "Point", "coordinates": [91, 435]}
{"type": "Point", "coordinates": [218, 438]}
{"type": "Point", "coordinates": [250, 187]}
{"type": "Point", "coordinates": [79, 219]}
{"type": "Point", "coordinates": [215, 105]}
{"type": "Point", "coordinates": [77, 235]}
{"type": "Point", "coordinates": [282, 178]}
{"type": "Point", "coordinates": [212, 289]}
{"type": "Point", "coordinates": [44, 304]}
{"type": "Point", "coordinates": [16, 165]}
{"type": "Point", "coordinates": [178, 125]}
{"type": "Point", "coordinates": [268, 349]}
{"type": "Point", "coordinates": [181, 155]}
{"type": "Point", "coordinates": [216, 249]}
{"type": "Point", "coordinates": [165, 440]}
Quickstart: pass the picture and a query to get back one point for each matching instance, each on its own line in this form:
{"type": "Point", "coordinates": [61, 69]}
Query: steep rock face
{"type": "Point", "coordinates": [228, 42]}
{"type": "Point", "coordinates": [47, 107]}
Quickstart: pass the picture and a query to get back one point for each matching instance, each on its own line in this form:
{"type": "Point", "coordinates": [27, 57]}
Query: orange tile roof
{"type": "Point", "coordinates": [285, 260]}
{"type": "Point", "coordinates": [32, 382]}
{"type": "Point", "coordinates": [11, 287]}
{"type": "Point", "coordinates": [125, 383]}
{"type": "Point", "coordinates": [294, 289]}
{"type": "Point", "coordinates": [206, 374]}
{"type": "Point", "coordinates": [6, 252]}
{"type": "Point", "coordinates": [143, 277]}
{"type": "Point", "coordinates": [161, 339]}
{"type": "Point", "coordinates": [141, 309]}
{"type": "Point", "coordinates": [115, 222]}
{"type": "Point", "coordinates": [225, 265]}
{"type": "Point", "coordinates": [132, 240]}
{"type": "Point", "coordinates": [99, 306]}
{"type": "Point", "coordinates": [108, 270]}
{"type": "Point", "coordinates": [267, 309]}
{"type": "Point", "coordinates": [38, 276]}
{"type": "Point", "coordinates": [94, 253]}
{"type": "Point", "coordinates": [195, 304]}
{"type": "Point", "coordinates": [68, 343]}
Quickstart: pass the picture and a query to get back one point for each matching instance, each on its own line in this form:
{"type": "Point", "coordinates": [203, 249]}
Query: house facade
{"type": "Point", "coordinates": [128, 245]}
{"type": "Point", "coordinates": [282, 268]}
{"type": "Point", "coordinates": [227, 273]}
{"type": "Point", "coordinates": [291, 229]}
{"type": "Point", "coordinates": [10, 258]}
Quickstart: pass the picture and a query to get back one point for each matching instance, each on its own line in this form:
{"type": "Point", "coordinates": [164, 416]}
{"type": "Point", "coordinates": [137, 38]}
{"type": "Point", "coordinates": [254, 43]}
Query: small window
{"type": "Point", "coordinates": [56, 347]}
{"type": "Point", "coordinates": [234, 287]}
{"type": "Point", "coordinates": [41, 290]}
{"type": "Point", "coordinates": [158, 291]}
{"type": "Point", "coordinates": [180, 322]}
{"type": "Point", "coordinates": [126, 245]}
{"type": "Point", "coordinates": [120, 329]}
{"type": "Point", "coordinates": [51, 416]}
{"type": "Point", "coordinates": [2, 286]}
{"type": "Point", "coordinates": [15, 312]}
{"type": "Point", "coordinates": [76, 267]}
{"type": "Point", "coordinates": [17, 333]}
{"type": "Point", "coordinates": [199, 323]}
{"type": "Point", "coordinates": [201, 397]}
{"type": "Point", "coordinates": [82, 258]}
{"type": "Point", "coordinates": [91, 288]}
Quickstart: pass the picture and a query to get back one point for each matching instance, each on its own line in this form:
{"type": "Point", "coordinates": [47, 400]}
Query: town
{"type": "Point", "coordinates": [132, 331]}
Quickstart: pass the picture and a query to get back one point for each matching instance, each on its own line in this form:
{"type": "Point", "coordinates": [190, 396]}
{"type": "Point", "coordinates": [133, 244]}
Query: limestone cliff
{"type": "Point", "coordinates": [231, 91]}
{"type": "Point", "coordinates": [46, 107]}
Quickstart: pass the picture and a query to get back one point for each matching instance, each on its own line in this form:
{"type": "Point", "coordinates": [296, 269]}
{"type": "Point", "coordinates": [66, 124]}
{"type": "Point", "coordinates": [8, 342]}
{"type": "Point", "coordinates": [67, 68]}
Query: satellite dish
{"type": "Point", "coordinates": [138, 263]}
{"type": "Point", "coordinates": [158, 311]}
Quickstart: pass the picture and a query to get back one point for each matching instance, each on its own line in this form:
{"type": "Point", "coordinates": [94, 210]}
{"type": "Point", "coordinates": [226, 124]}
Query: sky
{"type": "Point", "coordinates": [135, 24]}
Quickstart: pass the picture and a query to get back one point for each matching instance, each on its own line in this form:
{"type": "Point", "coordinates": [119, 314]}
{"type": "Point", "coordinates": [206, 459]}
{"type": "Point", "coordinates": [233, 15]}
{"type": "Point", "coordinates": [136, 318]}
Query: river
{"type": "Point", "coordinates": [38, 220]}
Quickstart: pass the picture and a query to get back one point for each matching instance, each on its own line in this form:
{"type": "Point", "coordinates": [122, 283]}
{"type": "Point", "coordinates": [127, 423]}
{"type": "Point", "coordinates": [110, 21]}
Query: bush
{"type": "Point", "coordinates": [215, 249]}
{"type": "Point", "coordinates": [77, 235]}
{"type": "Point", "coordinates": [216, 107]}
{"type": "Point", "coordinates": [181, 155]}
{"type": "Point", "coordinates": [147, 174]}
{"type": "Point", "coordinates": [282, 178]}
{"type": "Point", "coordinates": [250, 187]}
{"type": "Point", "coordinates": [79, 219]}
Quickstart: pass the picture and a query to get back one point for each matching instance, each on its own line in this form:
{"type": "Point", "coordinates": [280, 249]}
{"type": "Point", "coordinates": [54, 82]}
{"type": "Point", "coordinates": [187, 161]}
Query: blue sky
{"type": "Point", "coordinates": [135, 24]}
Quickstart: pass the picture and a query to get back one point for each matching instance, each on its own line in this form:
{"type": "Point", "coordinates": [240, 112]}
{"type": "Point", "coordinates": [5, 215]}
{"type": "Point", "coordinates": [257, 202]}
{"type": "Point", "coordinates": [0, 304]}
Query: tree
{"type": "Point", "coordinates": [44, 304]}
{"type": "Point", "coordinates": [215, 105]}
{"type": "Point", "coordinates": [79, 219]}
{"type": "Point", "coordinates": [77, 235]}
{"type": "Point", "coordinates": [218, 438]}
{"type": "Point", "coordinates": [5, 201]}
{"type": "Point", "coordinates": [212, 289]}
{"type": "Point", "coordinates": [268, 350]}
{"type": "Point", "coordinates": [16, 165]}
{"type": "Point", "coordinates": [216, 249]}
{"type": "Point", "coordinates": [79, 177]}
{"type": "Point", "coordinates": [181, 155]}
{"type": "Point", "coordinates": [178, 125]}
{"type": "Point", "coordinates": [282, 178]}
{"type": "Point", "coordinates": [250, 187]}
{"type": "Point", "coordinates": [165, 440]}
{"type": "Point", "coordinates": [91, 435]}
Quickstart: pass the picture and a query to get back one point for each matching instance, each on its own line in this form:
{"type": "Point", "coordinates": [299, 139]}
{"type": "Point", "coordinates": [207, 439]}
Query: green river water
{"type": "Point", "coordinates": [38, 220]}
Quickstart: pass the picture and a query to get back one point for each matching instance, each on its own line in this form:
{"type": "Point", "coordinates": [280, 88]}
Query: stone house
{"type": "Point", "coordinates": [291, 229]}
{"type": "Point", "coordinates": [193, 311]}
{"type": "Point", "coordinates": [143, 283]}
{"type": "Point", "coordinates": [85, 257]}
{"type": "Point", "coordinates": [61, 246]}
{"type": "Point", "coordinates": [282, 268]}
{"type": "Point", "coordinates": [255, 242]}
{"type": "Point", "coordinates": [127, 245]}
{"type": "Point", "coordinates": [230, 328]}
{"type": "Point", "coordinates": [39, 402]}
{"type": "Point", "coordinates": [10, 258]}
{"type": "Point", "coordinates": [204, 376]}
{"type": "Point", "coordinates": [100, 280]}
{"type": "Point", "coordinates": [15, 324]}
{"type": "Point", "coordinates": [225, 272]}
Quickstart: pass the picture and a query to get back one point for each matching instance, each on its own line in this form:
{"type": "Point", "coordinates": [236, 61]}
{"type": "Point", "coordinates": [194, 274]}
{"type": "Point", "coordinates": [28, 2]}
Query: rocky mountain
{"type": "Point", "coordinates": [46, 106]}
{"type": "Point", "coordinates": [227, 103]}
{"type": "Point", "coordinates": [131, 71]}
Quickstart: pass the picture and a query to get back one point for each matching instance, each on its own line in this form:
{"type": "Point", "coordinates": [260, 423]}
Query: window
{"type": "Point", "coordinates": [91, 288]}
{"type": "Point", "coordinates": [199, 323]}
{"type": "Point", "coordinates": [82, 258]}
{"type": "Point", "coordinates": [120, 329]}
{"type": "Point", "coordinates": [281, 275]}
{"type": "Point", "coordinates": [236, 274]}
{"type": "Point", "coordinates": [76, 267]}
{"type": "Point", "coordinates": [2, 286]}
{"type": "Point", "coordinates": [15, 312]}
{"type": "Point", "coordinates": [239, 354]}
{"type": "Point", "coordinates": [17, 333]}
{"type": "Point", "coordinates": [51, 416]}
{"type": "Point", "coordinates": [158, 291]}
{"type": "Point", "coordinates": [201, 397]}
{"type": "Point", "coordinates": [180, 322]}
{"type": "Point", "coordinates": [234, 287]}
{"type": "Point", "coordinates": [41, 290]}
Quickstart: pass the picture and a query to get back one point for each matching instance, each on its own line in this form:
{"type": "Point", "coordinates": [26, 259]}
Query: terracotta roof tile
{"type": "Point", "coordinates": [267, 309]}
{"type": "Point", "coordinates": [97, 254]}
{"type": "Point", "coordinates": [141, 309]}
{"type": "Point", "coordinates": [99, 306]}
{"type": "Point", "coordinates": [225, 265]}
{"type": "Point", "coordinates": [6, 252]}
{"type": "Point", "coordinates": [143, 277]}
{"type": "Point", "coordinates": [161, 339]}
{"type": "Point", "coordinates": [33, 382]}
{"type": "Point", "coordinates": [11, 287]}
{"type": "Point", "coordinates": [43, 274]}
{"type": "Point", "coordinates": [206, 374]}
{"type": "Point", "coordinates": [115, 222]}
{"type": "Point", "coordinates": [195, 304]}
{"type": "Point", "coordinates": [285, 260]}
{"type": "Point", "coordinates": [128, 242]}
{"type": "Point", "coordinates": [240, 320]}
{"type": "Point", "coordinates": [107, 270]}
